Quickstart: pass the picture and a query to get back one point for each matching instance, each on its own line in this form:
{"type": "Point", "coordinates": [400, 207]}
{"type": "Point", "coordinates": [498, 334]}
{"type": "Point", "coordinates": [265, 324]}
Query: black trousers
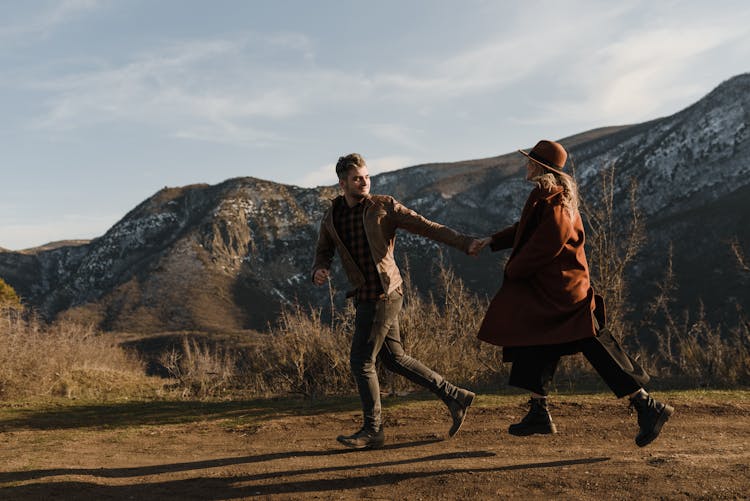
{"type": "Point", "coordinates": [534, 366]}
{"type": "Point", "coordinates": [377, 337]}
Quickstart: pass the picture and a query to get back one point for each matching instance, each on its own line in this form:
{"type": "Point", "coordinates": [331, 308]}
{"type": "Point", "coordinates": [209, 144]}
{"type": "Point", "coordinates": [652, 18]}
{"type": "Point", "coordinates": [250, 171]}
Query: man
{"type": "Point", "coordinates": [362, 229]}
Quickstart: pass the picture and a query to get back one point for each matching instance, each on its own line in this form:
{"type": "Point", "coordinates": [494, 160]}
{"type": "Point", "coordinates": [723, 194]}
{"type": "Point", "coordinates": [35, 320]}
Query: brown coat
{"type": "Point", "coordinates": [546, 297]}
{"type": "Point", "coordinates": [382, 217]}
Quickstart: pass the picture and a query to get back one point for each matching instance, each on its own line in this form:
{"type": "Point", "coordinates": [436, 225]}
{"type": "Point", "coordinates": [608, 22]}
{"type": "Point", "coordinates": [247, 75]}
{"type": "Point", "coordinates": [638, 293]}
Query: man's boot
{"type": "Point", "coordinates": [537, 420]}
{"type": "Point", "coordinates": [651, 417]}
{"type": "Point", "coordinates": [458, 408]}
{"type": "Point", "coordinates": [365, 438]}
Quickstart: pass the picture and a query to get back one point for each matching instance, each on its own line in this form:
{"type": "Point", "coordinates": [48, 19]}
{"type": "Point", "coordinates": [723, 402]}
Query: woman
{"type": "Point", "coordinates": [545, 307]}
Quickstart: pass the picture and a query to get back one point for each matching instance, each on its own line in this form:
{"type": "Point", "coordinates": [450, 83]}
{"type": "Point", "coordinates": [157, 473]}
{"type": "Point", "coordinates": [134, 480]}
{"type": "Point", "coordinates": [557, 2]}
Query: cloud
{"type": "Point", "coordinates": [185, 88]}
{"type": "Point", "coordinates": [247, 90]}
{"type": "Point", "coordinates": [645, 71]}
{"type": "Point", "coordinates": [227, 132]}
{"type": "Point", "coordinates": [237, 90]}
{"type": "Point", "coordinates": [536, 41]}
{"type": "Point", "coordinates": [398, 134]}
{"type": "Point", "coordinates": [240, 91]}
{"type": "Point", "coordinates": [228, 91]}
{"type": "Point", "coordinates": [43, 22]}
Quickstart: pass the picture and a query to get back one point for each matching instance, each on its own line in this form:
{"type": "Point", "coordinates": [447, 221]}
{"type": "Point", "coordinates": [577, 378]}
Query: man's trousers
{"type": "Point", "coordinates": [376, 337]}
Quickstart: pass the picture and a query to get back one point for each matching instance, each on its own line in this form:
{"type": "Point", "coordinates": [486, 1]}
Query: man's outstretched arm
{"type": "Point", "coordinates": [411, 221]}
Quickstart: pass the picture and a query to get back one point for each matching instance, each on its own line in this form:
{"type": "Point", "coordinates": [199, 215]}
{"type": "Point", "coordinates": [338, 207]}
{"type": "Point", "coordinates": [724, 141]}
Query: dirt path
{"type": "Point", "coordinates": [235, 450]}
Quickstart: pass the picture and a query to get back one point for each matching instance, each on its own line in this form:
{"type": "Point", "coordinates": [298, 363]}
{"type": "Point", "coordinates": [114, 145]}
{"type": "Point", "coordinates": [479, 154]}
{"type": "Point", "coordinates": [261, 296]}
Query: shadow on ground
{"type": "Point", "coordinates": [161, 469]}
{"type": "Point", "coordinates": [283, 482]}
{"type": "Point", "coordinates": [123, 414]}
{"type": "Point", "coordinates": [112, 415]}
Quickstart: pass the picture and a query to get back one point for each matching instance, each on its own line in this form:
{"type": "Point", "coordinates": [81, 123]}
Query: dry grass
{"type": "Point", "coordinates": [302, 355]}
{"type": "Point", "coordinates": [65, 359]}
{"type": "Point", "coordinates": [611, 248]}
{"type": "Point", "coordinates": [690, 349]}
{"type": "Point", "coordinates": [200, 369]}
{"type": "Point", "coordinates": [440, 331]}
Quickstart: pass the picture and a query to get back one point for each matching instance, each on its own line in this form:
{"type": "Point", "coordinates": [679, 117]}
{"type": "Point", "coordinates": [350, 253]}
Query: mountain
{"type": "Point", "coordinates": [197, 257]}
{"type": "Point", "coordinates": [229, 256]}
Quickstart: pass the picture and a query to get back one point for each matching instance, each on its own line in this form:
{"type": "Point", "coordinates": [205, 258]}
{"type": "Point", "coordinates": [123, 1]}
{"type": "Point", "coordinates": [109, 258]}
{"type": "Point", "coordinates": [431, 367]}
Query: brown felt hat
{"type": "Point", "coordinates": [548, 154]}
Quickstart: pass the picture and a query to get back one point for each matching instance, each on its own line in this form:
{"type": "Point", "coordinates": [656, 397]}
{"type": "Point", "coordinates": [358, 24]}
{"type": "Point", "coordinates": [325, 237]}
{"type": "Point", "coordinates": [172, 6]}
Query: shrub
{"type": "Point", "coordinates": [303, 355]}
{"type": "Point", "coordinates": [200, 370]}
{"type": "Point", "coordinates": [65, 359]}
{"type": "Point", "coordinates": [8, 296]}
{"type": "Point", "coordinates": [692, 351]}
{"type": "Point", "coordinates": [441, 333]}
{"type": "Point", "coordinates": [611, 248]}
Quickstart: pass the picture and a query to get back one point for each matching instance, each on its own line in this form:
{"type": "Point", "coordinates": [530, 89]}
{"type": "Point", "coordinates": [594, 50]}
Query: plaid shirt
{"type": "Point", "coordinates": [349, 224]}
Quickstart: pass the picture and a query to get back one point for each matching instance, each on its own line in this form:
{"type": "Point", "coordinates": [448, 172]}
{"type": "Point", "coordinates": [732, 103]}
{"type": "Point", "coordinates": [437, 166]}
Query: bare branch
{"type": "Point", "coordinates": [739, 255]}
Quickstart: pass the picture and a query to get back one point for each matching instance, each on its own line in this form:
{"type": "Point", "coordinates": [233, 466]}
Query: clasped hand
{"type": "Point", "coordinates": [476, 245]}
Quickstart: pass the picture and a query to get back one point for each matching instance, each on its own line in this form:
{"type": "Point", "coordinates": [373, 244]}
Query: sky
{"type": "Point", "coordinates": [105, 102]}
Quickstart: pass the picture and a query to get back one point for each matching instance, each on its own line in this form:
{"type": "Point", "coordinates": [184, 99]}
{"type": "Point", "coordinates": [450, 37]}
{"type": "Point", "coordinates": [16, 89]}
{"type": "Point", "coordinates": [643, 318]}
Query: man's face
{"type": "Point", "coordinates": [357, 183]}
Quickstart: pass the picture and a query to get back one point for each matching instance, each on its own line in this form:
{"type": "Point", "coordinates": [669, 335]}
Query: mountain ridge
{"type": "Point", "coordinates": [228, 256]}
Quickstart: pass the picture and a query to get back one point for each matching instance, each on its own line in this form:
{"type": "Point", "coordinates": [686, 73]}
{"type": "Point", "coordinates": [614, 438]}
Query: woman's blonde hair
{"type": "Point", "coordinates": [549, 180]}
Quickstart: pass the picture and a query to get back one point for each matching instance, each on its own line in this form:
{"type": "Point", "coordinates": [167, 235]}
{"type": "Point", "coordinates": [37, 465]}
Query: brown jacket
{"type": "Point", "coordinates": [383, 215]}
{"type": "Point", "coordinates": [546, 297]}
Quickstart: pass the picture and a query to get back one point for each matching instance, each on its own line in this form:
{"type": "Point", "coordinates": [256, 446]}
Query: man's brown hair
{"type": "Point", "coordinates": [350, 161]}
